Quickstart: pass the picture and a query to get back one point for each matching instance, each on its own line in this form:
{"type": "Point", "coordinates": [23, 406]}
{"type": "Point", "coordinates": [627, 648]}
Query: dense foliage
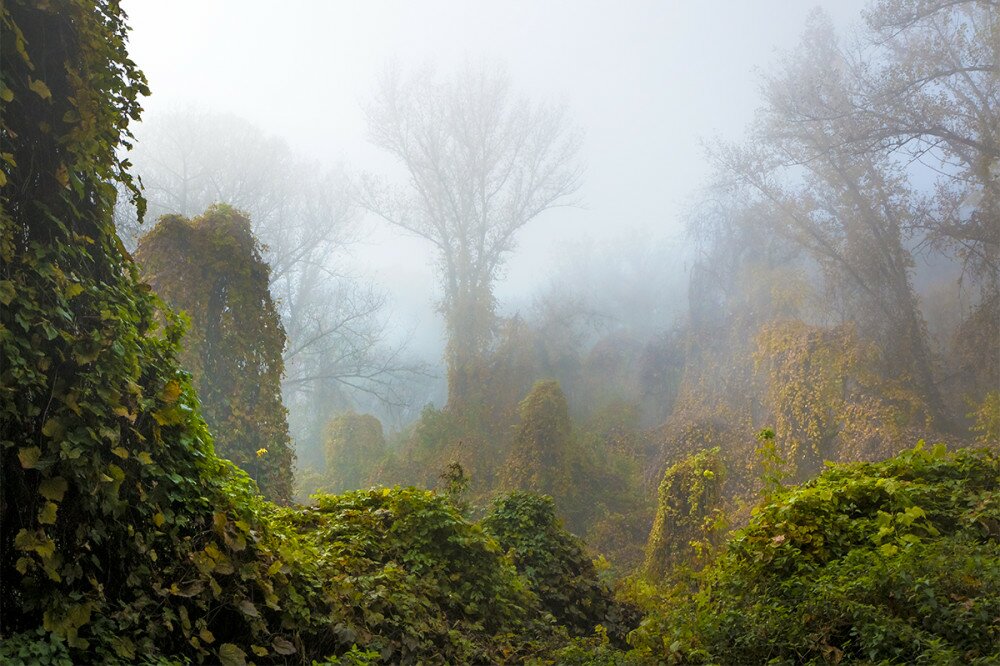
{"type": "Point", "coordinates": [555, 563]}
{"type": "Point", "coordinates": [416, 581]}
{"type": "Point", "coordinates": [828, 399]}
{"type": "Point", "coordinates": [540, 459]}
{"type": "Point", "coordinates": [124, 537]}
{"type": "Point", "coordinates": [892, 562]}
{"type": "Point", "coordinates": [210, 267]}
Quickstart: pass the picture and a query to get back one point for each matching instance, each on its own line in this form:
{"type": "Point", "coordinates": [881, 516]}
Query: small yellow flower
{"type": "Point", "coordinates": [261, 452]}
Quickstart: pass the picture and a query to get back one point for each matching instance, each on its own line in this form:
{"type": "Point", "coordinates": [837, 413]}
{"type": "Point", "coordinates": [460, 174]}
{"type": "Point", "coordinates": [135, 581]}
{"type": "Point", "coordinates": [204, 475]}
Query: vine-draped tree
{"type": "Point", "coordinates": [542, 454]}
{"type": "Point", "coordinates": [687, 513]}
{"type": "Point", "coordinates": [481, 165]}
{"type": "Point", "coordinates": [211, 268]}
{"type": "Point", "coordinates": [111, 496]}
{"type": "Point", "coordinates": [337, 355]}
{"type": "Point", "coordinates": [355, 444]}
{"type": "Point", "coordinates": [851, 210]}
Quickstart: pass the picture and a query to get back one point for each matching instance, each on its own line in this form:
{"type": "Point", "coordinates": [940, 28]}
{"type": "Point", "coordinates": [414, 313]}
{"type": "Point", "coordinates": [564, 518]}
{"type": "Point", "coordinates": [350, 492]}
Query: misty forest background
{"type": "Point", "coordinates": [640, 446]}
{"type": "Point", "coordinates": [839, 284]}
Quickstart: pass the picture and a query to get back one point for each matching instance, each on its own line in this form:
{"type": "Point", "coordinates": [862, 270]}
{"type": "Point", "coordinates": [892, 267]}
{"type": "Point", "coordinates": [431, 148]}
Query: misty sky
{"type": "Point", "coordinates": [647, 81]}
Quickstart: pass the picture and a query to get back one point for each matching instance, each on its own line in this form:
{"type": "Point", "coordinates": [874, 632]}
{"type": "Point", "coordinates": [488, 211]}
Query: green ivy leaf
{"type": "Point", "coordinates": [7, 291]}
{"type": "Point", "coordinates": [29, 456]}
{"type": "Point", "coordinates": [39, 88]}
{"type": "Point", "coordinates": [53, 489]}
{"type": "Point", "coordinates": [231, 655]}
{"type": "Point", "coordinates": [47, 514]}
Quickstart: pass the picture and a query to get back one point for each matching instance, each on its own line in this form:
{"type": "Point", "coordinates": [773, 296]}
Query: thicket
{"type": "Point", "coordinates": [591, 471]}
{"type": "Point", "coordinates": [557, 566]}
{"type": "Point", "coordinates": [892, 562]}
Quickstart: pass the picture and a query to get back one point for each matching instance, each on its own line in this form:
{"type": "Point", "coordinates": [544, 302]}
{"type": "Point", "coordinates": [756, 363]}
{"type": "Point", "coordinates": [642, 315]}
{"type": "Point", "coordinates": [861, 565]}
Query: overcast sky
{"type": "Point", "coordinates": [647, 81]}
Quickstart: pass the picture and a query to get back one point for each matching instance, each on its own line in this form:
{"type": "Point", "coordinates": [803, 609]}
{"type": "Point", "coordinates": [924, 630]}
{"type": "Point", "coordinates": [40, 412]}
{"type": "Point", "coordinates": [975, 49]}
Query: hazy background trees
{"type": "Point", "coordinates": [856, 207]}
{"type": "Point", "coordinates": [838, 283]}
{"type": "Point", "coordinates": [481, 163]}
{"type": "Point", "coordinates": [337, 355]}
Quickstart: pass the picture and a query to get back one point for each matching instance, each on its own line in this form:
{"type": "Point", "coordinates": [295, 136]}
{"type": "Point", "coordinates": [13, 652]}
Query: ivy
{"type": "Point", "coordinates": [211, 268]}
{"type": "Point", "coordinates": [354, 444]}
{"type": "Point", "coordinates": [556, 566]}
{"type": "Point", "coordinates": [124, 538]}
{"type": "Point", "coordinates": [688, 514]}
{"type": "Point", "coordinates": [890, 562]}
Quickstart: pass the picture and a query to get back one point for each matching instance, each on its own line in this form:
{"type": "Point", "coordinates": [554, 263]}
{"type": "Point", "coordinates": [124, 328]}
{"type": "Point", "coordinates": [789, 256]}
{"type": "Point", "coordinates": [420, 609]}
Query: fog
{"type": "Point", "coordinates": [647, 82]}
{"type": "Point", "coordinates": [654, 205]}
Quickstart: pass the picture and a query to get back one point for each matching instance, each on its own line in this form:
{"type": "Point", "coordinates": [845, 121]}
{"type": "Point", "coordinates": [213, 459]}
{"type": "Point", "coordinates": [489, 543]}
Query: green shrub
{"type": "Point", "coordinates": [890, 562]}
{"type": "Point", "coordinates": [540, 460]}
{"type": "Point", "coordinates": [414, 578]}
{"type": "Point", "coordinates": [35, 648]}
{"type": "Point", "coordinates": [556, 565]}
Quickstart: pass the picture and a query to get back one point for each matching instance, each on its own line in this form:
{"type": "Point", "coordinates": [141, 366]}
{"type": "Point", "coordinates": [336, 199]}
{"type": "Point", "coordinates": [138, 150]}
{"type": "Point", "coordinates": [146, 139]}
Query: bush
{"type": "Point", "coordinates": [556, 566]}
{"type": "Point", "coordinates": [895, 562]}
{"type": "Point", "coordinates": [413, 579]}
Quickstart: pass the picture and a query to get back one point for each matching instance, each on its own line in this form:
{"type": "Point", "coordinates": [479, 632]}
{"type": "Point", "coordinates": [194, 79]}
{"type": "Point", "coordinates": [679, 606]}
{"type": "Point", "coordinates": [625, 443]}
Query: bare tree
{"type": "Point", "coordinates": [933, 98]}
{"type": "Point", "coordinates": [920, 86]}
{"type": "Point", "coordinates": [481, 165]}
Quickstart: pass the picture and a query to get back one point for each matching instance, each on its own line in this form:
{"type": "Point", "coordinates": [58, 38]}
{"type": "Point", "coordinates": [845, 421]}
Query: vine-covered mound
{"type": "Point", "coordinates": [890, 562]}
{"type": "Point", "coordinates": [417, 581]}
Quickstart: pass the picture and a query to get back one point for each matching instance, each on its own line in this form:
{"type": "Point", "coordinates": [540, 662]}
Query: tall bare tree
{"type": "Point", "coordinates": [932, 97]}
{"type": "Point", "coordinates": [482, 163]}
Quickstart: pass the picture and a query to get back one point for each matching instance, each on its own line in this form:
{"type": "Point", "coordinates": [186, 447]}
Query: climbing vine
{"type": "Point", "coordinates": [826, 399]}
{"type": "Point", "coordinates": [210, 267]}
{"type": "Point", "coordinates": [540, 459]}
{"type": "Point", "coordinates": [688, 513]}
{"type": "Point", "coordinates": [354, 444]}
